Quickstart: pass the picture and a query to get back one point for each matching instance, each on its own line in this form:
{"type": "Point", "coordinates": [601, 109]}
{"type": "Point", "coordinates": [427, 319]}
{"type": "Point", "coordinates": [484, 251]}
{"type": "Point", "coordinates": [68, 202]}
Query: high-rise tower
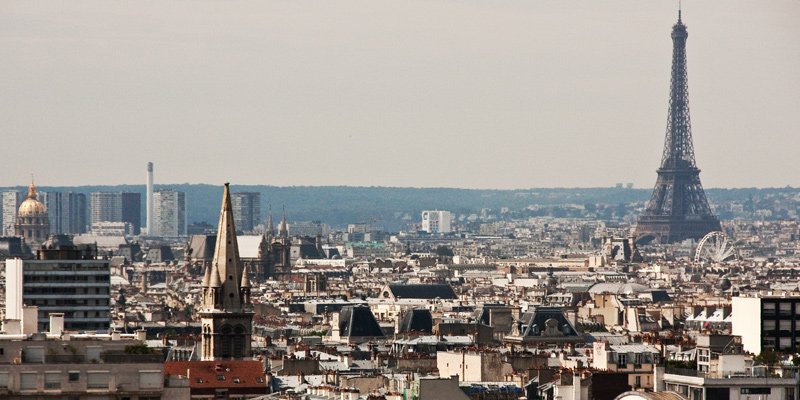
{"type": "Point", "coordinates": [226, 315]}
{"type": "Point", "coordinates": [149, 200]}
{"type": "Point", "coordinates": [678, 208]}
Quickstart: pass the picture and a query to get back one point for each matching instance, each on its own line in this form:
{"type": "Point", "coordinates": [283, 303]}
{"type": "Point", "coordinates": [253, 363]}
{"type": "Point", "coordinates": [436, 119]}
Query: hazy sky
{"type": "Point", "coordinates": [478, 94]}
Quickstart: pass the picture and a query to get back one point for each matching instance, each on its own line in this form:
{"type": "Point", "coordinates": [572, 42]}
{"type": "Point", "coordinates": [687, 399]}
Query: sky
{"type": "Point", "coordinates": [471, 94]}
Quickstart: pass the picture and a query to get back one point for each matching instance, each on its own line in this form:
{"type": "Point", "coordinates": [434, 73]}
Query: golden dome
{"type": "Point", "coordinates": [32, 207]}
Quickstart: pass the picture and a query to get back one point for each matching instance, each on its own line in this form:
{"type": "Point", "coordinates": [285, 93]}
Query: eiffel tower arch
{"type": "Point", "coordinates": [678, 208]}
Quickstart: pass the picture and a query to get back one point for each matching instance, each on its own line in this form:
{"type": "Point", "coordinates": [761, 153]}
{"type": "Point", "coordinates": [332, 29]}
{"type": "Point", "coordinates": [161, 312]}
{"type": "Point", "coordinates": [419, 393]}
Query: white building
{"type": "Point", "coordinates": [169, 213]}
{"type": "Point", "coordinates": [11, 202]}
{"type": "Point", "coordinates": [436, 221]}
{"type": "Point", "coordinates": [767, 323]}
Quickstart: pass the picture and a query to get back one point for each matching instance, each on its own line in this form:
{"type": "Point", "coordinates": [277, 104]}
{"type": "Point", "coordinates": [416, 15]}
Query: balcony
{"type": "Point", "coordinates": [64, 359]}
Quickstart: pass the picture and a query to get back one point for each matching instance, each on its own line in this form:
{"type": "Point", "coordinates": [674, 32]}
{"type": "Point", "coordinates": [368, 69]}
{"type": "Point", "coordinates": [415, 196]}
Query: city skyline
{"type": "Point", "coordinates": [442, 94]}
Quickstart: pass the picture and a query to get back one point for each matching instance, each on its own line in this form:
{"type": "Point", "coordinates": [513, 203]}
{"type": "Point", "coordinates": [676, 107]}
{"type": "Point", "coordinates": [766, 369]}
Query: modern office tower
{"type": "Point", "coordinates": [67, 211]}
{"type": "Point", "coordinates": [32, 223]}
{"type": "Point", "coordinates": [149, 200]}
{"type": "Point", "coordinates": [436, 221]}
{"type": "Point", "coordinates": [116, 207]}
{"type": "Point", "coordinates": [11, 201]}
{"type": "Point", "coordinates": [169, 213]}
{"type": "Point", "coordinates": [678, 208]}
{"type": "Point", "coordinates": [246, 210]}
{"type": "Point", "coordinates": [62, 279]}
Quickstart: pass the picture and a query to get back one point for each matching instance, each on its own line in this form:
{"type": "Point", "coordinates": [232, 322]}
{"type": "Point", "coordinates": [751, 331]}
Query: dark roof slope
{"type": "Point", "coordinates": [546, 321]}
{"type": "Point", "coordinates": [416, 320]}
{"type": "Point", "coordinates": [358, 321]}
{"type": "Point", "coordinates": [423, 291]}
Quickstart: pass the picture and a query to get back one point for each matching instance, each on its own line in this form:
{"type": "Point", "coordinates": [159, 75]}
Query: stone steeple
{"type": "Point", "coordinates": [283, 228]}
{"type": "Point", "coordinates": [226, 314]}
{"type": "Point", "coordinates": [225, 275]}
{"type": "Point", "coordinates": [270, 227]}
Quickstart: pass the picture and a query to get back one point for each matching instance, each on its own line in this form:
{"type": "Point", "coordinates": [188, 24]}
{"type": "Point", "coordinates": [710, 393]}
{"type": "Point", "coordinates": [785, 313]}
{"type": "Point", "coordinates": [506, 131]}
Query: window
{"type": "Point", "coordinates": [3, 379]}
{"type": "Point", "coordinates": [97, 379]}
{"type": "Point", "coordinates": [785, 325]}
{"type": "Point", "coordinates": [33, 354]}
{"type": "Point", "coordinates": [638, 381]}
{"type": "Point", "coordinates": [52, 380]}
{"type": "Point", "coordinates": [622, 361]}
{"type": "Point", "coordinates": [93, 353]}
{"type": "Point", "coordinates": [74, 376]}
{"type": "Point", "coordinates": [755, 390]}
{"type": "Point", "coordinates": [220, 378]}
{"type": "Point", "coordinates": [788, 393]}
{"type": "Point", "coordinates": [28, 380]}
{"type": "Point", "coordinates": [150, 379]}
{"type": "Point", "coordinates": [769, 325]}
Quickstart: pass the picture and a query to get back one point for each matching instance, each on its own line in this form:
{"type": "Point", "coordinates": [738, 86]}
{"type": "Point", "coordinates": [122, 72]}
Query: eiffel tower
{"type": "Point", "coordinates": [678, 208]}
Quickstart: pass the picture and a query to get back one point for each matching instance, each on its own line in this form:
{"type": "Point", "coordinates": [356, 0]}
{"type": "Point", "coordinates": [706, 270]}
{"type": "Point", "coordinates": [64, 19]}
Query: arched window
{"type": "Point", "coordinates": [238, 341]}
{"type": "Point", "coordinates": [226, 341]}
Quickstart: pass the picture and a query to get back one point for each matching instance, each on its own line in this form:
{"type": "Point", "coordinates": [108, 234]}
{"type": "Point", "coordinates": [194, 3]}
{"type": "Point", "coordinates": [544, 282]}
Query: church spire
{"type": "Point", "coordinates": [226, 269]}
{"type": "Point", "coordinates": [270, 226]}
{"type": "Point", "coordinates": [283, 228]}
{"type": "Point", "coordinates": [226, 317]}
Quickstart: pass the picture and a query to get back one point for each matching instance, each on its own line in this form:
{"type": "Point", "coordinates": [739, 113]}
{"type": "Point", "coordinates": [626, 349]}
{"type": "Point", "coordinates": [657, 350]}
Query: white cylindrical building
{"type": "Point", "coordinates": [149, 199]}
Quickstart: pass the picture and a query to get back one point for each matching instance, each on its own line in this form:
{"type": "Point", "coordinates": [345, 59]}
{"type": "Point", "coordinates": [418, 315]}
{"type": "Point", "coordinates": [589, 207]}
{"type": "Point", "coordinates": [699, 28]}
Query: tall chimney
{"type": "Point", "coordinates": [150, 199]}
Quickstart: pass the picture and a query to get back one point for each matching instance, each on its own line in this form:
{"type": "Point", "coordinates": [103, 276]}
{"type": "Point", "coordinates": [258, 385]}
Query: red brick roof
{"type": "Point", "coordinates": [219, 374]}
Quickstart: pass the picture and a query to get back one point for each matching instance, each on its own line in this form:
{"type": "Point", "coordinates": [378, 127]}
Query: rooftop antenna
{"type": "Point", "coordinates": [679, 10]}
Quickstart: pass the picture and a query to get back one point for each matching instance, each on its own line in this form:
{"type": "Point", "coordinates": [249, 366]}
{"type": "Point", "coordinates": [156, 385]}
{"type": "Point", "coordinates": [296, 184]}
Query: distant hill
{"type": "Point", "coordinates": [339, 205]}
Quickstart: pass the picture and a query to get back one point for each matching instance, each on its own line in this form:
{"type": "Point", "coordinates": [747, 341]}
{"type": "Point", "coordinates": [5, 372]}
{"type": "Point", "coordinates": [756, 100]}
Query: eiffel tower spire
{"type": "Point", "coordinates": [678, 208]}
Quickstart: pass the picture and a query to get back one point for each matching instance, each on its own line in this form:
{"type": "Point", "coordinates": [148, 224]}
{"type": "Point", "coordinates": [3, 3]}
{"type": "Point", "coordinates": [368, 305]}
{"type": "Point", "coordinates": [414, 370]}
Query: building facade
{"type": "Point", "coordinates": [767, 323]}
{"type": "Point", "coordinates": [169, 213]}
{"type": "Point", "coordinates": [246, 210]}
{"type": "Point", "coordinates": [116, 207]}
{"type": "Point", "coordinates": [62, 279]}
{"type": "Point", "coordinates": [11, 201]}
{"type": "Point", "coordinates": [436, 221]}
{"type": "Point", "coordinates": [66, 211]}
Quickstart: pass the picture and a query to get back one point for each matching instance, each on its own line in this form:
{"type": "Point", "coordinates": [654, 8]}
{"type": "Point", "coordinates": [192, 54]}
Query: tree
{"type": "Point", "coordinates": [444, 251]}
{"type": "Point", "coordinates": [768, 357]}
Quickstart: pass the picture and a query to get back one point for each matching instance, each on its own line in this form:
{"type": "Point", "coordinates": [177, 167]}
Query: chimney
{"type": "Point", "coordinates": [576, 385]}
{"type": "Point", "coordinates": [12, 327]}
{"type": "Point", "coordinates": [56, 323]}
{"type": "Point", "coordinates": [149, 200]}
{"type": "Point", "coordinates": [141, 335]}
{"type": "Point", "coordinates": [335, 327]}
{"type": "Point", "coordinates": [658, 378]}
{"type": "Point", "coordinates": [30, 320]}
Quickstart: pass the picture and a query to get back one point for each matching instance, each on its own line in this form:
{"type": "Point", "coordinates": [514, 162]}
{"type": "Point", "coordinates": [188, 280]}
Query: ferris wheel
{"type": "Point", "coordinates": [716, 247]}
